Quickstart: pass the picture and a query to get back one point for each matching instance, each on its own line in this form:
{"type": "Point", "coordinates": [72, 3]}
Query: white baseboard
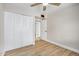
{"type": "Point", "coordinates": [27, 44]}
{"type": "Point", "coordinates": [64, 46]}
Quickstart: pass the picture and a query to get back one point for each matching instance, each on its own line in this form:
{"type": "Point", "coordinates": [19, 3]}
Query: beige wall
{"type": "Point", "coordinates": [63, 27]}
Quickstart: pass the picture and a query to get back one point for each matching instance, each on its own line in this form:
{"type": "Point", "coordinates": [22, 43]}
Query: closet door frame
{"type": "Point", "coordinates": [34, 36]}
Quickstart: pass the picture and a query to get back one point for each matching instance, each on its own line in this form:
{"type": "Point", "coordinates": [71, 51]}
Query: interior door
{"type": "Point", "coordinates": [37, 30]}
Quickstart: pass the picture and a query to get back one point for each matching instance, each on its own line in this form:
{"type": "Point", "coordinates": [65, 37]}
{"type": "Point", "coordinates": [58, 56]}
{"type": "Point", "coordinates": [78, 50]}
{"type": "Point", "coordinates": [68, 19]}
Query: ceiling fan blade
{"type": "Point", "coordinates": [56, 4]}
{"type": "Point", "coordinates": [44, 8]}
{"type": "Point", "coordinates": [35, 4]}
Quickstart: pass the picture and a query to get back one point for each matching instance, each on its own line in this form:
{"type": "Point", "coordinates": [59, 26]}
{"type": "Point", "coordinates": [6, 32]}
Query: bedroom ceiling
{"type": "Point", "coordinates": [24, 8]}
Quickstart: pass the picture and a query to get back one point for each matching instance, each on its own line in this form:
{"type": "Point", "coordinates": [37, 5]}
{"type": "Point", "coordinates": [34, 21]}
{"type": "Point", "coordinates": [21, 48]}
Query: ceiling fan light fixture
{"type": "Point", "coordinates": [44, 4]}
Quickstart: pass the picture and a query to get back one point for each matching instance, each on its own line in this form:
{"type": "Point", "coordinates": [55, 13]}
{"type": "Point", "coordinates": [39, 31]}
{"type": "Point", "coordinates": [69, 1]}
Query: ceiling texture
{"type": "Point", "coordinates": [25, 9]}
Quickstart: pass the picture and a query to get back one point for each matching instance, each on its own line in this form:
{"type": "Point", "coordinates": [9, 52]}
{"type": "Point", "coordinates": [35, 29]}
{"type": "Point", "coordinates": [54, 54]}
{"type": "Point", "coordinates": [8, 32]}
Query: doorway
{"type": "Point", "coordinates": [37, 30]}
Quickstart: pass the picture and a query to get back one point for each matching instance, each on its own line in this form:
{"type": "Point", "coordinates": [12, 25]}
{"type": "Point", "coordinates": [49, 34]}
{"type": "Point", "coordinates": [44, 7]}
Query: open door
{"type": "Point", "coordinates": [37, 30]}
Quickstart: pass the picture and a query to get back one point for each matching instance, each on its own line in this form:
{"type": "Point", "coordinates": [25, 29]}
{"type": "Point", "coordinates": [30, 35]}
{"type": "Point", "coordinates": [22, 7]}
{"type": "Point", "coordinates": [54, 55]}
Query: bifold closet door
{"type": "Point", "coordinates": [18, 31]}
{"type": "Point", "coordinates": [9, 31]}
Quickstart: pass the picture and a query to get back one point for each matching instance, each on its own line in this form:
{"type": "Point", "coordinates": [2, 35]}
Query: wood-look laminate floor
{"type": "Point", "coordinates": [41, 48]}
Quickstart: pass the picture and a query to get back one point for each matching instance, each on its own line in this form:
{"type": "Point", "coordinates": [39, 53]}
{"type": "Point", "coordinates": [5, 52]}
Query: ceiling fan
{"type": "Point", "coordinates": [45, 4]}
{"type": "Point", "coordinates": [42, 16]}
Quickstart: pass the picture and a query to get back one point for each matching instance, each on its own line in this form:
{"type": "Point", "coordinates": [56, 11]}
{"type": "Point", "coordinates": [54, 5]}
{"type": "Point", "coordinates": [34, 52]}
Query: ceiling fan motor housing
{"type": "Point", "coordinates": [42, 16]}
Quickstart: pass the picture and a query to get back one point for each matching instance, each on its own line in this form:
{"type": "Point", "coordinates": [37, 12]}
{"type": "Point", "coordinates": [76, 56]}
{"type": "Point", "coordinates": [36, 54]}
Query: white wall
{"type": "Point", "coordinates": [1, 27]}
{"type": "Point", "coordinates": [23, 8]}
{"type": "Point", "coordinates": [63, 27]}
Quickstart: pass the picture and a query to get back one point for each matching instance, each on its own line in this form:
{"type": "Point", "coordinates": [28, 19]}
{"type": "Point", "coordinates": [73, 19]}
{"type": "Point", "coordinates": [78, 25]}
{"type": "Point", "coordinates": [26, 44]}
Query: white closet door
{"type": "Point", "coordinates": [28, 30]}
{"type": "Point", "coordinates": [9, 31]}
{"type": "Point", "coordinates": [18, 30]}
{"type": "Point", "coordinates": [12, 31]}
